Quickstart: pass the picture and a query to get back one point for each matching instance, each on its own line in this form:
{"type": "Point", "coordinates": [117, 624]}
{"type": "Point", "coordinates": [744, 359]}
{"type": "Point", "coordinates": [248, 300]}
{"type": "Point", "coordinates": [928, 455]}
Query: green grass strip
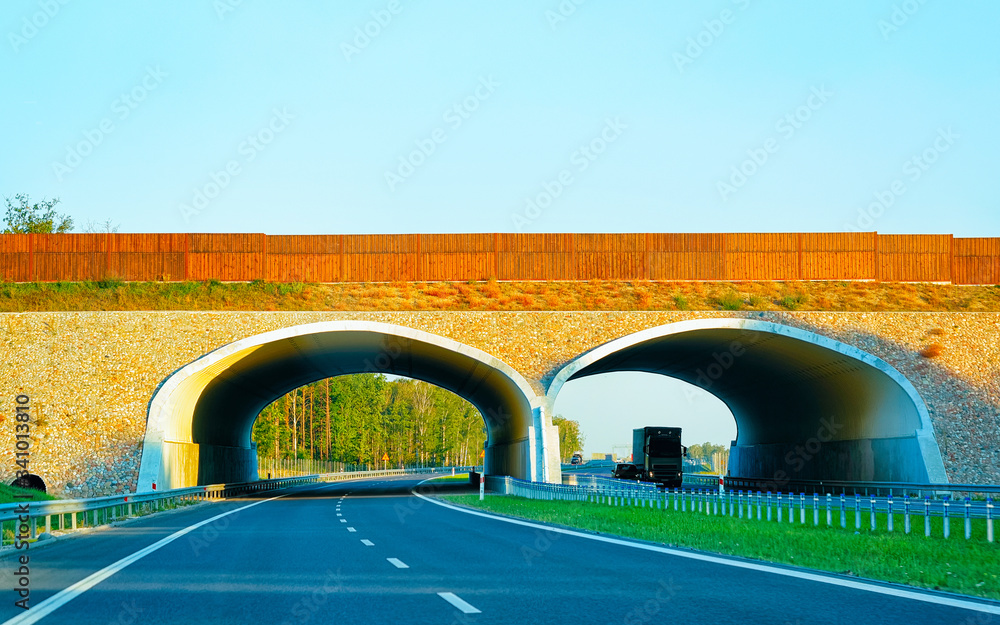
{"type": "Point", "coordinates": [969, 567]}
{"type": "Point", "coordinates": [9, 494]}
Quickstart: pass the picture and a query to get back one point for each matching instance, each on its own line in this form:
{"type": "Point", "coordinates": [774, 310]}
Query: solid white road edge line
{"type": "Point", "coordinates": [66, 595]}
{"type": "Point", "coordinates": [396, 562]}
{"type": "Point", "coordinates": [458, 602]}
{"type": "Point", "coordinates": [815, 577]}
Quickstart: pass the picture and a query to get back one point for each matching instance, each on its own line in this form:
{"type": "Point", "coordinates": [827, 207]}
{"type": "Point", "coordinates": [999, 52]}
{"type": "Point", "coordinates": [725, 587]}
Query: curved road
{"type": "Point", "coordinates": [372, 552]}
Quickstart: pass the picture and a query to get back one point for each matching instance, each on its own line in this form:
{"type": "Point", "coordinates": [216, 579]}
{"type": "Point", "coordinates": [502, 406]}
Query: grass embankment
{"type": "Point", "coordinates": [10, 494]}
{"type": "Point", "coordinates": [492, 295]}
{"type": "Point", "coordinates": [460, 478]}
{"type": "Point", "coordinates": [955, 565]}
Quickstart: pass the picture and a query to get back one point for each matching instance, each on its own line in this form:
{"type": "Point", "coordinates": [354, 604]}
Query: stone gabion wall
{"type": "Point", "coordinates": [90, 375]}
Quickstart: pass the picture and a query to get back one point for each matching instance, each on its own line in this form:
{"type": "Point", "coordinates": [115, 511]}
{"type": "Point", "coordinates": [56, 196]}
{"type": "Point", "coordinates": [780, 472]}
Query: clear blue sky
{"type": "Point", "coordinates": [631, 116]}
{"type": "Point", "coordinates": [683, 123]}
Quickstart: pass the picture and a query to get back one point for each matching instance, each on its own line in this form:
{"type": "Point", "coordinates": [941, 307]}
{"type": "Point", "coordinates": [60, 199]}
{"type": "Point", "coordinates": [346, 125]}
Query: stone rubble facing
{"type": "Point", "coordinates": [90, 375]}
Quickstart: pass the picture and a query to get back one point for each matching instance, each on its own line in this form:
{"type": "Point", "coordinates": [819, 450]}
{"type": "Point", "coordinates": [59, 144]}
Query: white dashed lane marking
{"type": "Point", "coordinates": [458, 602]}
{"type": "Point", "coordinates": [351, 529]}
{"type": "Point", "coordinates": [367, 543]}
{"type": "Point", "coordinates": [396, 562]}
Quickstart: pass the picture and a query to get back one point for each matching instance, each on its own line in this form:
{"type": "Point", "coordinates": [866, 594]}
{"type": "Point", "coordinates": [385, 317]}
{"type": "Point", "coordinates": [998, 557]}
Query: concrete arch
{"type": "Point", "coordinates": [806, 406]}
{"type": "Point", "coordinates": [200, 418]}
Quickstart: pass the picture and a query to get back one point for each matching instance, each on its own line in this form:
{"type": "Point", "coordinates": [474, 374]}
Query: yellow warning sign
{"type": "Point", "coordinates": [385, 456]}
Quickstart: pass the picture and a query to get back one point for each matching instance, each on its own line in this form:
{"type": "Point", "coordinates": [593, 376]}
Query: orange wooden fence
{"type": "Point", "coordinates": [460, 257]}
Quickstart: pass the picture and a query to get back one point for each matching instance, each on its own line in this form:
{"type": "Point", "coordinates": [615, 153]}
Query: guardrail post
{"type": "Point", "coordinates": [843, 511]}
{"type": "Point", "coordinates": [779, 506]}
{"type": "Point", "coordinates": [815, 509]}
{"type": "Point", "coordinates": [48, 523]}
{"type": "Point", "coordinates": [906, 514]}
{"type": "Point", "coordinates": [947, 520]}
{"type": "Point", "coordinates": [968, 519]}
{"type": "Point", "coordinates": [768, 505]}
{"type": "Point", "coordinates": [872, 507]}
{"type": "Point", "coordinates": [758, 505]}
{"type": "Point", "coordinates": [829, 509]}
{"type": "Point", "coordinates": [791, 507]}
{"type": "Point", "coordinates": [802, 508]}
{"type": "Point", "coordinates": [989, 519]}
{"type": "Point", "coordinates": [889, 509]}
{"type": "Point", "coordinates": [927, 516]}
{"type": "Point", "coordinates": [857, 511]}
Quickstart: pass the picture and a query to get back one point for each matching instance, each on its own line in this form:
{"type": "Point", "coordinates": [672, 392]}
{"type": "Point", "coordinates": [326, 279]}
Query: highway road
{"type": "Point", "coordinates": [372, 552]}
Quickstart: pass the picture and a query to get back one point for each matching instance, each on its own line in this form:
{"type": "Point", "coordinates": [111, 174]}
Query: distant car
{"type": "Point", "coordinates": [626, 472]}
{"type": "Point", "coordinates": [576, 459]}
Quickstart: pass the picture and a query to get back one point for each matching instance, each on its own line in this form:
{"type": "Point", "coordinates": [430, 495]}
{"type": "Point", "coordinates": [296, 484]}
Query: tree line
{"type": "Point", "coordinates": [359, 419]}
{"type": "Point", "coordinates": [705, 450]}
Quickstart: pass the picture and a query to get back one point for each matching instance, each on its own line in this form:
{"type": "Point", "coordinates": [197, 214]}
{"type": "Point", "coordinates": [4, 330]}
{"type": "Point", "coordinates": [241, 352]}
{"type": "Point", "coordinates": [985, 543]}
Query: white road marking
{"type": "Point", "coordinates": [351, 529]}
{"type": "Point", "coordinates": [458, 602]}
{"type": "Point", "coordinates": [338, 514]}
{"type": "Point", "coordinates": [815, 577]}
{"type": "Point", "coordinates": [343, 520]}
{"type": "Point", "coordinates": [61, 598]}
{"type": "Point", "coordinates": [367, 542]}
{"type": "Point", "coordinates": [396, 562]}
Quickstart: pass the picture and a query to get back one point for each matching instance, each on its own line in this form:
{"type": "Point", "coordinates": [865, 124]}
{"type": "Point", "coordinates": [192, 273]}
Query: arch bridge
{"type": "Point", "coordinates": [806, 406]}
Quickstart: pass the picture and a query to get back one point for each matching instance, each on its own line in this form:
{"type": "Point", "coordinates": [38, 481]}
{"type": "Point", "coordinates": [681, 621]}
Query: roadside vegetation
{"type": "Point", "coordinates": [953, 565]}
{"type": "Point", "coordinates": [12, 494]}
{"type": "Point", "coordinates": [114, 294]}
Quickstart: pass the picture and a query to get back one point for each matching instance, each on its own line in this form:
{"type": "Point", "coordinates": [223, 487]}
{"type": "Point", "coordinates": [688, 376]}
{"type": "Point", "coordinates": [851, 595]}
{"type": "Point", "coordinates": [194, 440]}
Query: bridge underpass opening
{"type": "Point", "coordinates": [806, 407]}
{"type": "Point", "coordinates": [609, 406]}
{"type": "Point", "coordinates": [199, 423]}
{"type": "Point", "coordinates": [367, 421]}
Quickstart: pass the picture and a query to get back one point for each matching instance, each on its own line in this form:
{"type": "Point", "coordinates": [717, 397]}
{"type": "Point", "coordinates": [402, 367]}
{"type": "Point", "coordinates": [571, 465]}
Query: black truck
{"type": "Point", "coordinates": [657, 455]}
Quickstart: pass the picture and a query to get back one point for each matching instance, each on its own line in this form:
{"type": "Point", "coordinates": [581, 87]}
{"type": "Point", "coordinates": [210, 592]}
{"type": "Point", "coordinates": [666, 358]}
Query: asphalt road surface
{"type": "Point", "coordinates": [372, 552]}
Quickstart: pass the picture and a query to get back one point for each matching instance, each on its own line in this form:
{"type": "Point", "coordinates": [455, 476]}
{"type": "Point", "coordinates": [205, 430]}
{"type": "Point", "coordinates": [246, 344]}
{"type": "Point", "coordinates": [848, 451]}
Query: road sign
{"type": "Point", "coordinates": [385, 456]}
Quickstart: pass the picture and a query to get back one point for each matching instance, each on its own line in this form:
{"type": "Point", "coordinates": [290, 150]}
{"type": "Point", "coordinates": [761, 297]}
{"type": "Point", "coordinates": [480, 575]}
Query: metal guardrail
{"type": "Point", "coordinates": [836, 487]}
{"type": "Point", "coordinates": [872, 511]}
{"type": "Point", "coordinates": [27, 516]}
